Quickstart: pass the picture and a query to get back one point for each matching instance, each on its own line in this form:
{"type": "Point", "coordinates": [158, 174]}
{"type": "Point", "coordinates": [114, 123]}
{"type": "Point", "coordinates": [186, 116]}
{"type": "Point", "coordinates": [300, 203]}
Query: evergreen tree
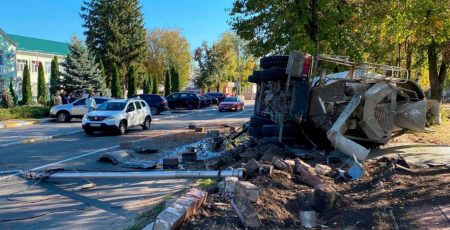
{"type": "Point", "coordinates": [106, 84]}
{"type": "Point", "coordinates": [167, 84]}
{"type": "Point", "coordinates": [54, 76]}
{"type": "Point", "coordinates": [11, 87]}
{"type": "Point", "coordinates": [175, 80]}
{"type": "Point", "coordinates": [116, 88]}
{"type": "Point", "coordinates": [131, 75]}
{"type": "Point", "coordinates": [145, 86]}
{"type": "Point", "coordinates": [42, 89]}
{"type": "Point", "coordinates": [150, 83]}
{"type": "Point", "coordinates": [107, 77]}
{"type": "Point", "coordinates": [82, 72]}
{"type": "Point", "coordinates": [27, 97]}
{"type": "Point", "coordinates": [115, 33]}
{"type": "Point", "coordinates": [155, 89]}
{"type": "Point", "coordinates": [9, 103]}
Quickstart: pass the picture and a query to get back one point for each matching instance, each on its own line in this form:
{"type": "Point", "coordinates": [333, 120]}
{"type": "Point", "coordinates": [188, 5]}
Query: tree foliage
{"type": "Point", "coordinates": [167, 84]}
{"type": "Point", "coordinates": [54, 68]}
{"type": "Point", "coordinates": [166, 48]}
{"type": "Point", "coordinates": [27, 97]}
{"type": "Point", "coordinates": [116, 88]}
{"type": "Point", "coordinates": [175, 80]}
{"type": "Point", "coordinates": [115, 33]}
{"type": "Point", "coordinates": [148, 84]}
{"type": "Point", "coordinates": [132, 88]}
{"type": "Point", "coordinates": [82, 72]}
{"type": "Point", "coordinates": [42, 89]}
{"type": "Point", "coordinates": [11, 87]}
{"type": "Point", "coordinates": [9, 103]}
{"type": "Point", "coordinates": [155, 89]}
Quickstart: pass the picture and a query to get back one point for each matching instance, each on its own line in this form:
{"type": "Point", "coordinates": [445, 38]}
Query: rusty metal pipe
{"type": "Point", "coordinates": [239, 173]}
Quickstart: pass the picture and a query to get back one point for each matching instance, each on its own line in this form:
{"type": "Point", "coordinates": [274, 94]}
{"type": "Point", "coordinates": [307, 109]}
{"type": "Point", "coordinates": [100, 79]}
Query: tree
{"type": "Point", "coordinates": [82, 72]}
{"type": "Point", "coordinates": [11, 87]}
{"type": "Point", "coordinates": [105, 79]}
{"type": "Point", "coordinates": [167, 47]}
{"type": "Point", "coordinates": [54, 68]}
{"type": "Point", "coordinates": [9, 103]}
{"type": "Point", "coordinates": [150, 83]}
{"type": "Point", "coordinates": [27, 97]}
{"type": "Point", "coordinates": [116, 88]}
{"type": "Point", "coordinates": [167, 84]}
{"type": "Point", "coordinates": [115, 33]}
{"type": "Point", "coordinates": [42, 89]}
{"type": "Point", "coordinates": [174, 80]}
{"type": "Point", "coordinates": [131, 75]}
{"type": "Point", "coordinates": [155, 89]}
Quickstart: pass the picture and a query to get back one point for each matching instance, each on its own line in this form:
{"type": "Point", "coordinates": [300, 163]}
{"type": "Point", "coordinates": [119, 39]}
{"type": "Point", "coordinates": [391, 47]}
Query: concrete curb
{"type": "Point", "coordinates": [25, 123]}
{"type": "Point", "coordinates": [40, 139]}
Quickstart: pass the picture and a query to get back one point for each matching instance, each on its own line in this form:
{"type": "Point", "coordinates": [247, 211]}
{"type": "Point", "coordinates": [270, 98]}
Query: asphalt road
{"type": "Point", "coordinates": [53, 205]}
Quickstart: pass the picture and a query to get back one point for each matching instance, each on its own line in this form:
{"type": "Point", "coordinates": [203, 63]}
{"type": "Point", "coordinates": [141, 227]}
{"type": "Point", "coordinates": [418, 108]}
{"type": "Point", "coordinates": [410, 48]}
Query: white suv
{"type": "Point", "coordinates": [117, 116]}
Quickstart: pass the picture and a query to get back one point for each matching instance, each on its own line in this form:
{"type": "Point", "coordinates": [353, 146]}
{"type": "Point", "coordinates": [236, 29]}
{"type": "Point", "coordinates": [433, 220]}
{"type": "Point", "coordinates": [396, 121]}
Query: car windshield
{"type": "Point", "coordinates": [230, 99]}
{"type": "Point", "coordinates": [112, 106]}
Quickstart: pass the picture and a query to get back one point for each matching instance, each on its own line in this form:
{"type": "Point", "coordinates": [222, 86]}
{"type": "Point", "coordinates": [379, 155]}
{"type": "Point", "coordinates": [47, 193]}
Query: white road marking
{"type": "Point", "coordinates": [115, 146]}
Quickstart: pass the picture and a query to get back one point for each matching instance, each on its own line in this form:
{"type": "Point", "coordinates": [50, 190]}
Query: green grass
{"type": "Point", "coordinates": [168, 196]}
{"type": "Point", "coordinates": [205, 183]}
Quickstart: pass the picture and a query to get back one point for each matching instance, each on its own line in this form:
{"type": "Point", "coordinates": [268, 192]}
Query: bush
{"type": "Point", "coordinates": [19, 112]}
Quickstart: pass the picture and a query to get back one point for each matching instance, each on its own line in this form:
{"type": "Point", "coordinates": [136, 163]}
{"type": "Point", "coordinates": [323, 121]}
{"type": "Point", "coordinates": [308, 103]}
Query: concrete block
{"type": "Point", "coordinates": [213, 165]}
{"type": "Point", "coordinates": [213, 133]}
{"type": "Point", "coordinates": [291, 163]}
{"type": "Point", "coordinates": [251, 166]}
{"type": "Point", "coordinates": [199, 130]}
{"type": "Point", "coordinates": [233, 129]}
{"type": "Point", "coordinates": [248, 190]}
{"type": "Point", "coordinates": [281, 165]}
{"type": "Point", "coordinates": [168, 202]}
{"type": "Point", "coordinates": [188, 157]}
{"type": "Point", "coordinates": [170, 218]}
{"type": "Point", "coordinates": [323, 197]}
{"type": "Point", "coordinates": [245, 211]}
{"type": "Point", "coordinates": [192, 126]}
{"type": "Point", "coordinates": [221, 186]}
{"type": "Point", "coordinates": [230, 182]}
{"type": "Point", "coordinates": [265, 170]}
{"type": "Point", "coordinates": [309, 179]}
{"type": "Point", "coordinates": [198, 194]}
{"type": "Point", "coordinates": [323, 170]}
{"type": "Point", "coordinates": [170, 163]}
{"type": "Point", "coordinates": [149, 226]}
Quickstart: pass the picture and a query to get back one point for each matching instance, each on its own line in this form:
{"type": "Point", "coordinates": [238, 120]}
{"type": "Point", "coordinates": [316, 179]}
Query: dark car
{"type": "Point", "coordinates": [156, 102]}
{"type": "Point", "coordinates": [209, 101]}
{"type": "Point", "coordinates": [220, 96]}
{"type": "Point", "coordinates": [214, 100]}
{"type": "Point", "coordinates": [189, 101]}
{"type": "Point", "coordinates": [231, 103]}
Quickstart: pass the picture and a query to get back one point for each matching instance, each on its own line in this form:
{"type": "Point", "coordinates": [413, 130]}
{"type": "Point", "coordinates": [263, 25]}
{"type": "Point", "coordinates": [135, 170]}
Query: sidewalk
{"type": "Point", "coordinates": [18, 123]}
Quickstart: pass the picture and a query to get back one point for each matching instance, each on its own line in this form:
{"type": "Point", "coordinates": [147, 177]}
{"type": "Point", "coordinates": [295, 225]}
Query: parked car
{"type": "Point", "coordinates": [214, 100]}
{"type": "Point", "coordinates": [117, 116]}
{"type": "Point", "coordinates": [231, 103]}
{"type": "Point", "coordinates": [156, 102]}
{"type": "Point", "coordinates": [208, 100]}
{"type": "Point", "coordinates": [189, 101]}
{"type": "Point", "coordinates": [76, 109]}
{"type": "Point", "coordinates": [220, 96]}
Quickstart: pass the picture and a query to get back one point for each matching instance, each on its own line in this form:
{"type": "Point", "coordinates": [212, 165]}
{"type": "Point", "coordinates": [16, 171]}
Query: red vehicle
{"type": "Point", "coordinates": [231, 103]}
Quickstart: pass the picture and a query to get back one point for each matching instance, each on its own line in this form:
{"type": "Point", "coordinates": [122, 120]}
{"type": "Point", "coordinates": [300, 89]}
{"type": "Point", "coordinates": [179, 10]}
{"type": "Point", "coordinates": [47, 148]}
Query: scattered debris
{"type": "Point", "coordinates": [266, 170]}
{"type": "Point", "coordinates": [251, 166]}
{"type": "Point", "coordinates": [213, 133]}
{"type": "Point", "coordinates": [213, 165]}
{"type": "Point", "coordinates": [322, 170]}
{"type": "Point", "coordinates": [281, 165]}
{"type": "Point", "coordinates": [245, 211]}
{"type": "Point", "coordinates": [230, 183]}
{"type": "Point", "coordinates": [248, 190]}
{"type": "Point", "coordinates": [355, 172]}
{"type": "Point", "coordinates": [323, 197]}
{"type": "Point", "coordinates": [433, 165]}
{"type": "Point", "coordinates": [127, 160]}
{"type": "Point", "coordinates": [143, 150]}
{"type": "Point", "coordinates": [399, 167]}
{"type": "Point", "coordinates": [309, 179]}
{"type": "Point", "coordinates": [308, 219]}
{"type": "Point", "coordinates": [233, 129]}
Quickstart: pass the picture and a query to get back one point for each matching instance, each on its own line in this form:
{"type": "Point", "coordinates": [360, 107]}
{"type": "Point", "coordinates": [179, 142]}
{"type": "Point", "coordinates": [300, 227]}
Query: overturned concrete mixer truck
{"type": "Point", "coordinates": [300, 102]}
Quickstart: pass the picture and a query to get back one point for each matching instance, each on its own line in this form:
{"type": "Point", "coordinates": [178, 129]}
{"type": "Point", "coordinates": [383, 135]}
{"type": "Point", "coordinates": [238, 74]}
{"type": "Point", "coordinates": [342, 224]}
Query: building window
{"type": "Point", "coordinates": [48, 66]}
{"type": "Point", "coordinates": [2, 56]}
{"type": "Point", "coordinates": [34, 67]}
{"type": "Point", "coordinates": [21, 65]}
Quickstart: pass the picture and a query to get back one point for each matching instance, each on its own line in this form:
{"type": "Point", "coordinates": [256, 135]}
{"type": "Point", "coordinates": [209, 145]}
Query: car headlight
{"type": "Point", "coordinates": [85, 117]}
{"type": "Point", "coordinates": [52, 110]}
{"type": "Point", "coordinates": [111, 117]}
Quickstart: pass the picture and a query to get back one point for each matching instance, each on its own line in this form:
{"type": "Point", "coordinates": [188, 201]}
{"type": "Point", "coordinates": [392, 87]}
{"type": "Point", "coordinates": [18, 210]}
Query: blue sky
{"type": "Point", "coordinates": [58, 19]}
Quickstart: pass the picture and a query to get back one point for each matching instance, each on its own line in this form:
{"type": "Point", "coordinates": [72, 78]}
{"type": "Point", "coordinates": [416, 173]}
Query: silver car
{"type": "Point", "coordinates": [76, 109]}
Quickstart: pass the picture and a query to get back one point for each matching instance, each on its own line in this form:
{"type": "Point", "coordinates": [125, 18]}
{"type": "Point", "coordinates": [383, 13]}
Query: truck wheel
{"type": "Point", "coordinates": [190, 106]}
{"type": "Point", "coordinates": [274, 74]}
{"type": "Point", "coordinates": [147, 124]}
{"type": "Point", "coordinates": [289, 130]}
{"type": "Point", "coordinates": [255, 77]}
{"type": "Point", "coordinates": [260, 121]}
{"type": "Point", "coordinates": [122, 128]}
{"type": "Point", "coordinates": [284, 140]}
{"type": "Point", "coordinates": [254, 131]}
{"type": "Point", "coordinates": [274, 61]}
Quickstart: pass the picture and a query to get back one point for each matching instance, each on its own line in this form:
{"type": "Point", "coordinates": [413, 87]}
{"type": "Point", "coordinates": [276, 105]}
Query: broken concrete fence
{"type": "Point", "coordinates": [183, 208]}
{"type": "Point", "coordinates": [168, 202]}
{"type": "Point", "coordinates": [302, 166]}
{"type": "Point", "coordinates": [281, 165]}
{"type": "Point", "coordinates": [248, 190]}
{"type": "Point", "coordinates": [323, 197]}
{"type": "Point", "coordinates": [230, 183]}
{"type": "Point", "coordinates": [251, 166]}
{"type": "Point", "coordinates": [265, 170]}
{"type": "Point", "coordinates": [245, 211]}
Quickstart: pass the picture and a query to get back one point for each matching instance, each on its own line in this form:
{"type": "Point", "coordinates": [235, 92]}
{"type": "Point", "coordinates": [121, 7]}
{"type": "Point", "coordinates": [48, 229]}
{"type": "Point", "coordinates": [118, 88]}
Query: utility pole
{"type": "Point", "coordinates": [239, 68]}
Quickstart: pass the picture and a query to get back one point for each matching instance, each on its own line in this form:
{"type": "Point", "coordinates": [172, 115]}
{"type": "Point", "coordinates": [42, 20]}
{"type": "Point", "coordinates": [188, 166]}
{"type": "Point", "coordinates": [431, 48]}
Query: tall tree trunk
{"type": "Point", "coordinates": [218, 87]}
{"type": "Point", "coordinates": [437, 78]}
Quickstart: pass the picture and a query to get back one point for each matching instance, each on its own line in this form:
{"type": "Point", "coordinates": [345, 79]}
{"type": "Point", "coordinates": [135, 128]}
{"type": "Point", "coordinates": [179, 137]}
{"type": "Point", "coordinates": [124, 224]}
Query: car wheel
{"type": "Point", "coordinates": [63, 116]}
{"type": "Point", "coordinates": [190, 106]}
{"type": "Point", "coordinates": [255, 77]}
{"type": "Point", "coordinates": [89, 132]}
{"type": "Point", "coordinates": [147, 124]}
{"type": "Point", "coordinates": [122, 128]}
{"type": "Point", "coordinates": [154, 110]}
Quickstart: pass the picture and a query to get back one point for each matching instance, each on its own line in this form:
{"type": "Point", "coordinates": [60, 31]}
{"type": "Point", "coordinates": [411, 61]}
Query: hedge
{"type": "Point", "coordinates": [24, 112]}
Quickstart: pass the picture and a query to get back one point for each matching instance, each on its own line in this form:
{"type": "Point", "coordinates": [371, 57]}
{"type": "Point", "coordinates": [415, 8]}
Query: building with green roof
{"type": "Point", "coordinates": [30, 51]}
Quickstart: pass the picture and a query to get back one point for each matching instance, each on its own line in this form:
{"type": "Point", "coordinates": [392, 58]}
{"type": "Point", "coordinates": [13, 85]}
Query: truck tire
{"type": "Point", "coordinates": [255, 77]}
{"type": "Point", "coordinates": [280, 61]}
{"type": "Point", "coordinates": [284, 140]}
{"type": "Point", "coordinates": [274, 74]}
{"type": "Point", "coordinates": [254, 131]}
{"type": "Point", "coordinates": [289, 130]}
{"type": "Point", "coordinates": [260, 121]}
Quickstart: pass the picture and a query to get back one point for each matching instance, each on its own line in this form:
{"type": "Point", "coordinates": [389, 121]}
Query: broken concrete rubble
{"type": "Point", "coordinates": [265, 170]}
{"type": "Point", "coordinates": [309, 179]}
{"type": "Point", "coordinates": [245, 211]}
{"type": "Point", "coordinates": [248, 190]}
{"type": "Point", "coordinates": [323, 170]}
{"type": "Point", "coordinates": [230, 182]}
{"type": "Point", "coordinates": [251, 166]}
{"type": "Point", "coordinates": [281, 165]}
{"type": "Point", "coordinates": [323, 197]}
{"type": "Point", "coordinates": [213, 165]}
{"type": "Point", "coordinates": [124, 159]}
